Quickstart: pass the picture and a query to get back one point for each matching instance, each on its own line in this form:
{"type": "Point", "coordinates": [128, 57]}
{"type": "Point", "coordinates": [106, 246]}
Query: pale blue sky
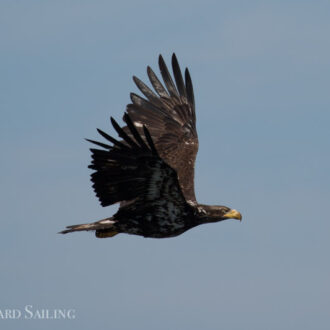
{"type": "Point", "coordinates": [261, 73]}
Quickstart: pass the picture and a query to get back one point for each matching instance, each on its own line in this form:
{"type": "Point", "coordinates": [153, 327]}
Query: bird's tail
{"type": "Point", "coordinates": [103, 228]}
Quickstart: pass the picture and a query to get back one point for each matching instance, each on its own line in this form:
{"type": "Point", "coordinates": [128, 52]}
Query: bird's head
{"type": "Point", "coordinates": [215, 213]}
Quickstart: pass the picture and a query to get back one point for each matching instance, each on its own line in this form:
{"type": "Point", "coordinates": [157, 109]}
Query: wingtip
{"type": "Point", "coordinates": [113, 121]}
{"type": "Point", "coordinates": [126, 117]}
{"type": "Point", "coordinates": [161, 60]}
{"type": "Point", "coordinates": [188, 80]}
{"type": "Point", "coordinates": [65, 231]}
{"type": "Point", "coordinates": [137, 81]}
{"type": "Point", "coordinates": [132, 96]}
{"type": "Point", "coordinates": [187, 73]}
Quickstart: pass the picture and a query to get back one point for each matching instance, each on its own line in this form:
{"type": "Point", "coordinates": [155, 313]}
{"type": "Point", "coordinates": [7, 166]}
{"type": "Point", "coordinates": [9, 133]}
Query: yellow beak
{"type": "Point", "coordinates": [233, 214]}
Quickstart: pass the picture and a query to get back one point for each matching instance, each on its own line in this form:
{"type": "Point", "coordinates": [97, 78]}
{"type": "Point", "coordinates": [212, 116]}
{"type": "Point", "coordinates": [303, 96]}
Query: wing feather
{"type": "Point", "coordinates": [190, 94]}
{"type": "Point", "coordinates": [167, 78]}
{"type": "Point", "coordinates": [131, 170]}
{"type": "Point", "coordinates": [170, 119]}
{"type": "Point", "coordinates": [156, 84]}
{"type": "Point", "coordinates": [178, 76]}
{"type": "Point", "coordinates": [147, 92]}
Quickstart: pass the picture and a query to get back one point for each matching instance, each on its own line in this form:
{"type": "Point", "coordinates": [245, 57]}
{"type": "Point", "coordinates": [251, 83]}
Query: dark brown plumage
{"type": "Point", "coordinates": [151, 170]}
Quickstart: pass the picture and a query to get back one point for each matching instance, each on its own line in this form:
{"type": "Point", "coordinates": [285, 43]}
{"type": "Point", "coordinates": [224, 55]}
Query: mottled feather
{"type": "Point", "coordinates": [170, 119]}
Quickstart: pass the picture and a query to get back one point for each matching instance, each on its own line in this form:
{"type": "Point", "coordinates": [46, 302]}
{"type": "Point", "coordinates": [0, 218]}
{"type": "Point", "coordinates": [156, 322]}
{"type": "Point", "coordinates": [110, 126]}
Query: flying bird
{"type": "Point", "coordinates": [150, 168]}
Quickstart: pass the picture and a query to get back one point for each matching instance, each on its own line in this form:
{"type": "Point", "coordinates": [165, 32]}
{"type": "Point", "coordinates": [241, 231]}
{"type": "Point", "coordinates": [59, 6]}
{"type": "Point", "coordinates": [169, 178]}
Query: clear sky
{"type": "Point", "coordinates": [261, 73]}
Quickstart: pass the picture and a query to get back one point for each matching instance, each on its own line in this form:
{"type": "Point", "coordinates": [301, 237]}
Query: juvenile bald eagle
{"type": "Point", "coordinates": [150, 171]}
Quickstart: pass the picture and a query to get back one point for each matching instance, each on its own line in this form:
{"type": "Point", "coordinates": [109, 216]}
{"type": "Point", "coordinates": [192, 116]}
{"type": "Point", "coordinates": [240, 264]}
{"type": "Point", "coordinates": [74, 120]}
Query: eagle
{"type": "Point", "coordinates": [149, 169]}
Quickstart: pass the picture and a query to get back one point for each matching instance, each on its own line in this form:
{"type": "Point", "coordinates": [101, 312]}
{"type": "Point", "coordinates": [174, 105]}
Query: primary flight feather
{"type": "Point", "coordinates": [150, 169]}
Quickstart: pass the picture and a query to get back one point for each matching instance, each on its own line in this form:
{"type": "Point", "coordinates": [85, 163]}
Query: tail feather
{"type": "Point", "coordinates": [98, 225]}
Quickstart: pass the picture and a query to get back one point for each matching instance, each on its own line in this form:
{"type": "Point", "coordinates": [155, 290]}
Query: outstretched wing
{"type": "Point", "coordinates": [170, 118]}
{"type": "Point", "coordinates": [131, 170]}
